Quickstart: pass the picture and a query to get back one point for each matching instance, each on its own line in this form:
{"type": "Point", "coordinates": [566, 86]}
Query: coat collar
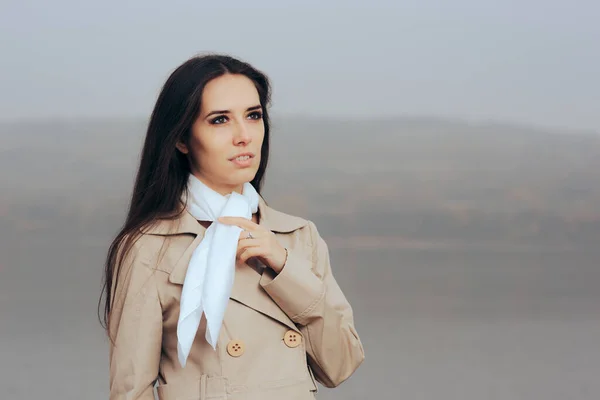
{"type": "Point", "coordinates": [246, 288]}
{"type": "Point", "coordinates": [273, 220]}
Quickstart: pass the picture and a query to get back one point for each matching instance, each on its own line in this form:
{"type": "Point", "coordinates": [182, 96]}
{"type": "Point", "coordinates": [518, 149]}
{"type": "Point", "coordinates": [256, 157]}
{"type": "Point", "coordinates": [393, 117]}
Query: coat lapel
{"type": "Point", "coordinates": [246, 288]}
{"type": "Point", "coordinates": [177, 275]}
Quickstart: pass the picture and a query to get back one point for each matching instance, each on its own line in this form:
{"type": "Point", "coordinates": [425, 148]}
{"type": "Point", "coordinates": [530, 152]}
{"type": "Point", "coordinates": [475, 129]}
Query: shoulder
{"type": "Point", "coordinates": [281, 222]}
{"type": "Point", "coordinates": [162, 241]}
{"type": "Point", "coordinates": [135, 253]}
{"type": "Point", "coordinates": [302, 239]}
{"type": "Point", "coordinates": [147, 247]}
{"type": "Point", "coordinates": [304, 230]}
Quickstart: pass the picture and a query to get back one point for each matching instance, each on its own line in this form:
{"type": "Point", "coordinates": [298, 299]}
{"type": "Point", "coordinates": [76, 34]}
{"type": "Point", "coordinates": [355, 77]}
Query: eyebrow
{"type": "Point", "coordinates": [253, 108]}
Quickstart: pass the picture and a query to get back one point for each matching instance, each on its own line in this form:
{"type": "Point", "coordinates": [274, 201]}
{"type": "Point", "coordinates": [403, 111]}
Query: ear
{"type": "Point", "coordinates": [182, 147]}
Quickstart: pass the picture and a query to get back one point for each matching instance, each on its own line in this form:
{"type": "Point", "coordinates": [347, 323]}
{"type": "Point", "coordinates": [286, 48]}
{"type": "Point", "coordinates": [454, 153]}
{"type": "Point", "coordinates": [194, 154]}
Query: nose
{"type": "Point", "coordinates": [242, 135]}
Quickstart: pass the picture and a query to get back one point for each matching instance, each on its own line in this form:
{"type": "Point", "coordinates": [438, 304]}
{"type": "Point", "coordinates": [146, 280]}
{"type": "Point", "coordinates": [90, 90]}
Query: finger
{"type": "Point", "coordinates": [249, 253]}
{"type": "Point", "coordinates": [246, 244]}
{"type": "Point", "coordinates": [244, 235]}
{"type": "Point", "coordinates": [249, 243]}
{"type": "Point", "coordinates": [241, 222]}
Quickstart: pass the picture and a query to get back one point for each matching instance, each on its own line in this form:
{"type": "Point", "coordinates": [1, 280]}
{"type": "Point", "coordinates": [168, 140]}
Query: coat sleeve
{"type": "Point", "coordinates": [135, 327]}
{"type": "Point", "coordinates": [310, 295]}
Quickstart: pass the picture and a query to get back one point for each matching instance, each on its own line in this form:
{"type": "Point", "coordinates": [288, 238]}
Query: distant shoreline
{"type": "Point", "coordinates": [402, 243]}
{"type": "Point", "coordinates": [455, 121]}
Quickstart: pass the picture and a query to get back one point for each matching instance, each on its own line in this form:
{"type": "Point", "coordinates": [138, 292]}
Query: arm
{"type": "Point", "coordinates": [314, 301]}
{"type": "Point", "coordinates": [136, 331]}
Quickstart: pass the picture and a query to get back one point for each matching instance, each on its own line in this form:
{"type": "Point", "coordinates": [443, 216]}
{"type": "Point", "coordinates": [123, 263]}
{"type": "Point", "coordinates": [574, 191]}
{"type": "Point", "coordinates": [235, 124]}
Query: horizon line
{"type": "Point", "coordinates": [482, 122]}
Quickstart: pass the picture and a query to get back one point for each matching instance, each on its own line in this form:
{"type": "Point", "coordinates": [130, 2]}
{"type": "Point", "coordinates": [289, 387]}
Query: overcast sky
{"type": "Point", "coordinates": [528, 61]}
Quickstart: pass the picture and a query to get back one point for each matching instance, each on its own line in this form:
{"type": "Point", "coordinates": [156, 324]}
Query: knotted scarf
{"type": "Point", "coordinates": [210, 274]}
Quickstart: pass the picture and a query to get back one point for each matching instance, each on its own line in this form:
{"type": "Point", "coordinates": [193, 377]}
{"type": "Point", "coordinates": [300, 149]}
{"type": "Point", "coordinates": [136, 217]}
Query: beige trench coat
{"type": "Point", "coordinates": [280, 334]}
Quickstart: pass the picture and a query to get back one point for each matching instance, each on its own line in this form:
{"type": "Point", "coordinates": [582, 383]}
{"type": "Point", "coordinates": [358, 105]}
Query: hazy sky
{"type": "Point", "coordinates": [531, 61]}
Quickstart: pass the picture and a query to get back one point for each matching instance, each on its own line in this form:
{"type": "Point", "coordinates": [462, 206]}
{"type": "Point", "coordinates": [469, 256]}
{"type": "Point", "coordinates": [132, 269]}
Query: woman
{"type": "Point", "coordinates": [210, 293]}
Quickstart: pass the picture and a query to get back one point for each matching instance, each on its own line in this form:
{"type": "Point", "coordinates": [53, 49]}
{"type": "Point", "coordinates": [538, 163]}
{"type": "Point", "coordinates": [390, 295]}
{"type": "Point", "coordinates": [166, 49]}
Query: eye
{"type": "Point", "coordinates": [221, 119]}
{"type": "Point", "coordinates": [256, 115]}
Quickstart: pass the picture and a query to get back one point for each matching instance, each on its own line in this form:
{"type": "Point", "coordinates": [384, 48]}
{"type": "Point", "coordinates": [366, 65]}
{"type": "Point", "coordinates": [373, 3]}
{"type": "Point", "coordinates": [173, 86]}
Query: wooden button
{"type": "Point", "coordinates": [235, 348]}
{"type": "Point", "coordinates": [292, 338]}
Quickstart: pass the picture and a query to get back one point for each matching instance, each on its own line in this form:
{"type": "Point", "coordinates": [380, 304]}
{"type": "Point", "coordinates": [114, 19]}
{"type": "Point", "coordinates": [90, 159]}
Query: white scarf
{"type": "Point", "coordinates": [209, 277]}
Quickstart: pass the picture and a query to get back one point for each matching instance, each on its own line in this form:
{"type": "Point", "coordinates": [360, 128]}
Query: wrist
{"type": "Point", "coordinates": [281, 264]}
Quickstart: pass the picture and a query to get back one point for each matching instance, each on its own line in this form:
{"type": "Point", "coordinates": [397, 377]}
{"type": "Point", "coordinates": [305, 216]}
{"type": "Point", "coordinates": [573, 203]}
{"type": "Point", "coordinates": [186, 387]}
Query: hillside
{"type": "Point", "coordinates": [403, 182]}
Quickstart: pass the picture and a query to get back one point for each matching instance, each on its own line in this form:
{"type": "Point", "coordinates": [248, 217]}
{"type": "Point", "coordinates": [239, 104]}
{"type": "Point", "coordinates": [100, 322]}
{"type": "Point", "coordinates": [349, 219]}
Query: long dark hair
{"type": "Point", "coordinates": [163, 170]}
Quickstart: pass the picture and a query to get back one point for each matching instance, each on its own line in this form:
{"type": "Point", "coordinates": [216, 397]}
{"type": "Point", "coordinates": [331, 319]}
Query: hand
{"type": "Point", "coordinates": [263, 244]}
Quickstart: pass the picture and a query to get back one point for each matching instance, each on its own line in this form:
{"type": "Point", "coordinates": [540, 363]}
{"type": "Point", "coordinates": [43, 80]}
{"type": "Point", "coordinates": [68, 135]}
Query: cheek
{"type": "Point", "coordinates": [259, 133]}
{"type": "Point", "coordinates": [209, 149]}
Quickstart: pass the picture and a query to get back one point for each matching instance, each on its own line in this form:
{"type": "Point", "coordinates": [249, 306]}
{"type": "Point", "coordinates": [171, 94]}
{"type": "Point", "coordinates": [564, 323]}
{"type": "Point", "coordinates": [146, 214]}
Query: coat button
{"type": "Point", "coordinates": [292, 338]}
{"type": "Point", "coordinates": [235, 348]}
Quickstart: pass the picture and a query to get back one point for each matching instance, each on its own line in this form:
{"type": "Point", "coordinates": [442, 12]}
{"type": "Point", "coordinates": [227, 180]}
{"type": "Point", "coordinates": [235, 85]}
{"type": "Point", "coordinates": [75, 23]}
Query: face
{"type": "Point", "coordinates": [226, 139]}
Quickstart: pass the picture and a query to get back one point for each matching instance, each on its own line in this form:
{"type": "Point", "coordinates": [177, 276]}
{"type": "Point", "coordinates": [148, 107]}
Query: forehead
{"type": "Point", "coordinates": [229, 92]}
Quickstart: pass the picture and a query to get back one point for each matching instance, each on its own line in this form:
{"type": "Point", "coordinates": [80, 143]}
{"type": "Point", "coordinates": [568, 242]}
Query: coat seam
{"type": "Point", "coordinates": [316, 301]}
{"type": "Point", "coordinates": [322, 295]}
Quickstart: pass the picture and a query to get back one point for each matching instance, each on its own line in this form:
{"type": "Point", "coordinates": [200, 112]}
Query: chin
{"type": "Point", "coordinates": [243, 176]}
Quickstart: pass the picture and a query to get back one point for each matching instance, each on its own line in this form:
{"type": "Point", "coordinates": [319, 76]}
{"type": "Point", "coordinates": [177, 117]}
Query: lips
{"type": "Point", "coordinates": [242, 157]}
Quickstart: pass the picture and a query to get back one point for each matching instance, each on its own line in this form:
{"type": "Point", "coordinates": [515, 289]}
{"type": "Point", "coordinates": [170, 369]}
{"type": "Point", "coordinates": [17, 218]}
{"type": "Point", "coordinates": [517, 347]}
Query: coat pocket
{"type": "Point", "coordinates": [206, 388]}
